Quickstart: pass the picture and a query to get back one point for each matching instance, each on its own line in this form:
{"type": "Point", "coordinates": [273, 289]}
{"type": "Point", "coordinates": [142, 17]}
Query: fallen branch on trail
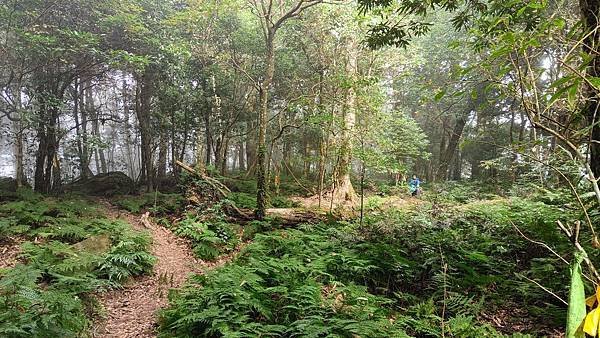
{"type": "Point", "coordinates": [145, 220]}
{"type": "Point", "coordinates": [220, 187]}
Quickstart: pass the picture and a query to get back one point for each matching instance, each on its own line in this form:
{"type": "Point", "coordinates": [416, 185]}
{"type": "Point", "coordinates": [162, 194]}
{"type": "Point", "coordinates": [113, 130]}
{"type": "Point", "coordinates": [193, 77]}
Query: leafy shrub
{"type": "Point", "coordinates": [248, 201]}
{"type": "Point", "coordinates": [318, 281]}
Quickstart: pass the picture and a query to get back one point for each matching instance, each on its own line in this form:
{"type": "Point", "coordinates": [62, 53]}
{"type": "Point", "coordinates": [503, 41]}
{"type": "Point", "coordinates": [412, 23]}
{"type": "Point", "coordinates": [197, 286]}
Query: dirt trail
{"type": "Point", "coordinates": [10, 249]}
{"type": "Point", "coordinates": [131, 312]}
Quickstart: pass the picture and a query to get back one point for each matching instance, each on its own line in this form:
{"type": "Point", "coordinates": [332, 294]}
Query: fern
{"type": "Point", "coordinates": [210, 239]}
{"type": "Point", "coordinates": [26, 310]}
{"type": "Point", "coordinates": [47, 296]}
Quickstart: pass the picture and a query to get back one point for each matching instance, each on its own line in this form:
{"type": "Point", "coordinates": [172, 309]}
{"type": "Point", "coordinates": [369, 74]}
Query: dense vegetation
{"type": "Point", "coordinates": [69, 251]}
{"type": "Point", "coordinates": [365, 168]}
{"type": "Point", "coordinates": [427, 268]}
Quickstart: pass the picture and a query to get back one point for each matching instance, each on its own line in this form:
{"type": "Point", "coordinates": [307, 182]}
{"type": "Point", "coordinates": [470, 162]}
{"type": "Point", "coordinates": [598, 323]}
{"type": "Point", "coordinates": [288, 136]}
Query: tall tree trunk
{"type": "Point", "coordinates": [18, 149]}
{"type": "Point", "coordinates": [47, 148]}
{"type": "Point", "coordinates": [103, 164]}
{"type": "Point", "coordinates": [448, 154]}
{"type": "Point", "coordinates": [323, 140]}
{"type": "Point", "coordinates": [343, 187]}
{"type": "Point", "coordinates": [522, 126]}
{"type": "Point", "coordinates": [128, 140]}
{"type": "Point", "coordinates": [94, 113]}
{"type": "Point", "coordinates": [241, 153]}
{"type": "Point", "coordinates": [174, 146]}
{"type": "Point", "coordinates": [590, 12]}
{"type": "Point", "coordinates": [83, 109]}
{"type": "Point", "coordinates": [457, 170]}
{"type": "Point", "coordinates": [76, 103]}
{"type": "Point", "coordinates": [40, 159]}
{"type": "Point", "coordinates": [250, 148]}
{"type": "Point", "coordinates": [162, 154]}
{"type": "Point", "coordinates": [97, 161]}
{"type": "Point", "coordinates": [261, 150]}
{"type": "Point", "coordinates": [143, 111]}
{"type": "Point", "coordinates": [18, 131]}
{"type": "Point", "coordinates": [186, 132]}
{"type": "Point", "coordinates": [224, 154]}
{"type": "Point", "coordinates": [207, 134]}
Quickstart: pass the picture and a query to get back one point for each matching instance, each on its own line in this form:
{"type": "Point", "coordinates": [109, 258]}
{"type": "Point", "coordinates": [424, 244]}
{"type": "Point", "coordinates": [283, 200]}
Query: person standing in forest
{"type": "Point", "coordinates": [414, 185]}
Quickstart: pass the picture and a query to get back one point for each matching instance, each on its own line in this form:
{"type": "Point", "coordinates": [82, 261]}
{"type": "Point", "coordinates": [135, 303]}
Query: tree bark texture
{"type": "Point", "coordinates": [590, 13]}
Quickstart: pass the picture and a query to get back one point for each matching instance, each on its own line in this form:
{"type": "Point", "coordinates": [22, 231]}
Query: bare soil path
{"type": "Point", "coordinates": [10, 249]}
{"type": "Point", "coordinates": [131, 312]}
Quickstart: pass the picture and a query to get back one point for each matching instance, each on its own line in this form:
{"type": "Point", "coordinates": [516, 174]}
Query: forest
{"type": "Point", "coordinates": [299, 168]}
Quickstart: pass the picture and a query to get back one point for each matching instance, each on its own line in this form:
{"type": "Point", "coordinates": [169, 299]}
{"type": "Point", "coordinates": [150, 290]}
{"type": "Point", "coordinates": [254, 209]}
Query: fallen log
{"type": "Point", "coordinates": [294, 216]}
{"type": "Point", "coordinates": [215, 184]}
{"type": "Point", "coordinates": [220, 187]}
{"type": "Point", "coordinates": [283, 216]}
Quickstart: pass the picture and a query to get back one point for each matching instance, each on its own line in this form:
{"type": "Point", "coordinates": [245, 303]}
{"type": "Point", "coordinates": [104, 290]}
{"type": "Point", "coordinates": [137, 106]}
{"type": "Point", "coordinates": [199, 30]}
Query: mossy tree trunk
{"type": "Point", "coordinates": [344, 191]}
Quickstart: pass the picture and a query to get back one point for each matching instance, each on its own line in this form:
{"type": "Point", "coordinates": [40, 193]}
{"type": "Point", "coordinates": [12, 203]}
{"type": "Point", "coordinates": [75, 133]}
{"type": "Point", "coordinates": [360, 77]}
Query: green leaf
{"type": "Point", "coordinates": [576, 312]}
{"type": "Point", "coordinates": [594, 81]}
{"type": "Point", "coordinates": [439, 95]}
{"type": "Point", "coordinates": [572, 93]}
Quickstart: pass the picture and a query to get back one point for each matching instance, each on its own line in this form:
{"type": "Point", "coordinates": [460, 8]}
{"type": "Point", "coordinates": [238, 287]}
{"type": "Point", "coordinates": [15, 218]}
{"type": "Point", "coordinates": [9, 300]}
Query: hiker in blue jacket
{"type": "Point", "coordinates": [414, 185]}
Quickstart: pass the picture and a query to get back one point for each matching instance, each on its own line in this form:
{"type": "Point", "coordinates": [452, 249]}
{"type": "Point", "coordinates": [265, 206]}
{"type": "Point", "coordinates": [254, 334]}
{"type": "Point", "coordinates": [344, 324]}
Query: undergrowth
{"type": "Point", "coordinates": [248, 201]}
{"type": "Point", "coordinates": [70, 252]}
{"type": "Point", "coordinates": [157, 203]}
{"type": "Point", "coordinates": [209, 239]}
{"type": "Point", "coordinates": [434, 268]}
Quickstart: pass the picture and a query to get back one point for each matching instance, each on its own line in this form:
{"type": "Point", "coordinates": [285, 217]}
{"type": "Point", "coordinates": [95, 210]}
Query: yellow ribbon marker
{"type": "Point", "coordinates": [592, 320]}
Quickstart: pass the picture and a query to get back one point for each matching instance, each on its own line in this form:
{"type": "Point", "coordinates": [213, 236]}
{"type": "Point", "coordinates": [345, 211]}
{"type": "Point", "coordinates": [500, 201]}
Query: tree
{"type": "Point", "coordinates": [272, 16]}
{"type": "Point", "coordinates": [590, 14]}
